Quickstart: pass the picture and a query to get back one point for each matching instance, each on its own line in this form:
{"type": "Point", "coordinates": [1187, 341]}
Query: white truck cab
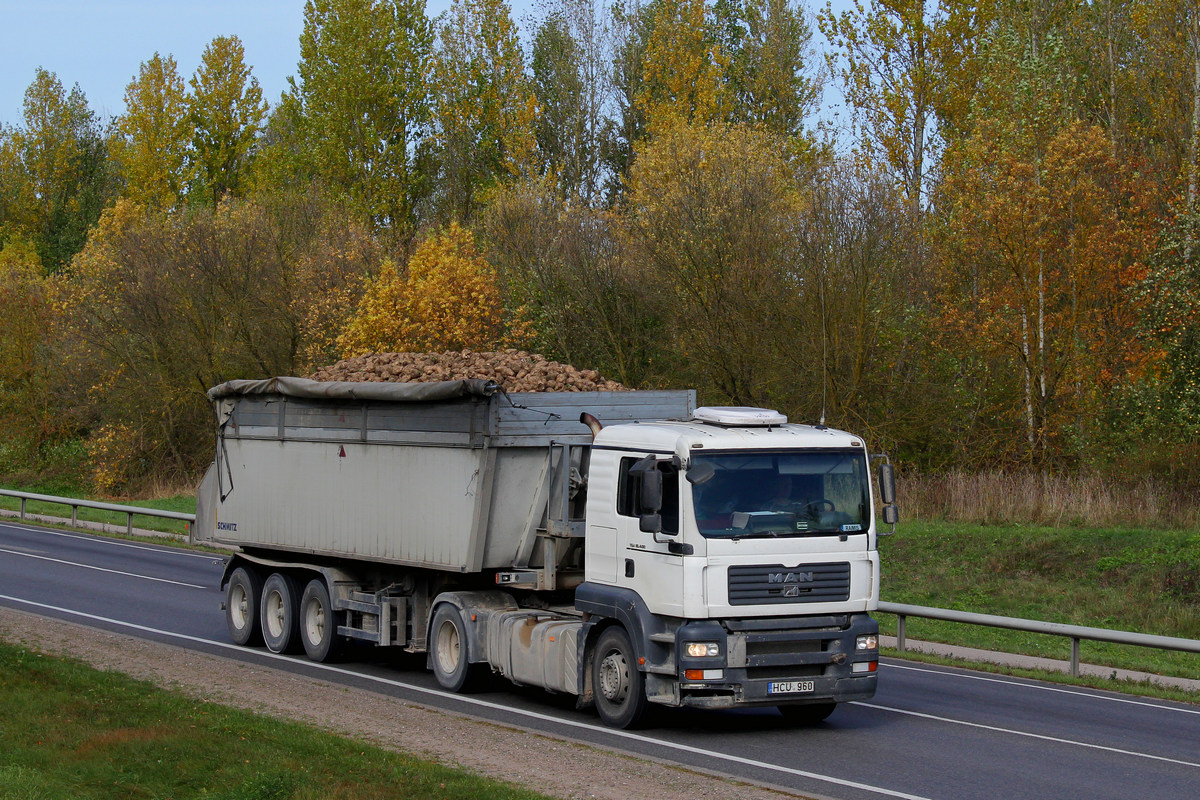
{"type": "Point", "coordinates": [745, 534]}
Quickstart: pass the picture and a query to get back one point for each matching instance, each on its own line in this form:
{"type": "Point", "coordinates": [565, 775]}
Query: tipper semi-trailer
{"type": "Point", "coordinates": [627, 548]}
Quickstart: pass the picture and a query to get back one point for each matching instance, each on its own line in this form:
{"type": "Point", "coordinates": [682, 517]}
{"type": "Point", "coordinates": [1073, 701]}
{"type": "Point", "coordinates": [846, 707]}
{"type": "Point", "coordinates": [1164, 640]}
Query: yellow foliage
{"type": "Point", "coordinates": [682, 73]}
{"type": "Point", "coordinates": [90, 280]}
{"type": "Point", "coordinates": [113, 451]}
{"type": "Point", "coordinates": [27, 311]}
{"type": "Point", "coordinates": [449, 299]}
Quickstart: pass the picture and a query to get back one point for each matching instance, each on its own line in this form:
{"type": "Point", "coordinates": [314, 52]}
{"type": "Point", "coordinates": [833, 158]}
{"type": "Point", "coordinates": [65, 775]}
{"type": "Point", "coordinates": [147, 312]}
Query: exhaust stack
{"type": "Point", "coordinates": [591, 422]}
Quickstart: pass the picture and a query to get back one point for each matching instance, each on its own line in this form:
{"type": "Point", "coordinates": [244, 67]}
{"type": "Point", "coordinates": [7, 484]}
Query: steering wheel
{"type": "Point", "coordinates": [821, 505]}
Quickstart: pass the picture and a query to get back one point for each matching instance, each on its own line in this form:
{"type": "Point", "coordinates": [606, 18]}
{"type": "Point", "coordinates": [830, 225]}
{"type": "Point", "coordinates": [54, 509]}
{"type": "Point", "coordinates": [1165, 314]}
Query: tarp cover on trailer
{"type": "Point", "coordinates": [352, 390]}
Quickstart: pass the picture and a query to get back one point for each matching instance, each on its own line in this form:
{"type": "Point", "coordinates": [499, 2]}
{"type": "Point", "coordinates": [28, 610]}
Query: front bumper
{"type": "Point", "coordinates": [814, 656]}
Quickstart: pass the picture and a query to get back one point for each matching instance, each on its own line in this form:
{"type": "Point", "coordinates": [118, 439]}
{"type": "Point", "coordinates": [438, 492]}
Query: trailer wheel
{"type": "Point", "coordinates": [449, 652]}
{"type": "Point", "coordinates": [280, 620]}
{"type": "Point", "coordinates": [318, 623]}
{"type": "Point", "coordinates": [242, 595]}
{"type": "Point", "coordinates": [620, 687]}
{"type": "Point", "coordinates": [809, 714]}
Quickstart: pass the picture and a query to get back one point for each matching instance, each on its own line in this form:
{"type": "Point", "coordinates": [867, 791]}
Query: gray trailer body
{"type": "Point", "coordinates": [457, 476]}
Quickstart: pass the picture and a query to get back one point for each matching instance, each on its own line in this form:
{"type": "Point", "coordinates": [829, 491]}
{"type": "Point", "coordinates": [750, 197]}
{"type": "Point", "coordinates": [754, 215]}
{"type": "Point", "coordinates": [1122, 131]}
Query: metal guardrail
{"type": "Point", "coordinates": [1075, 633]}
{"type": "Point", "coordinates": [76, 504]}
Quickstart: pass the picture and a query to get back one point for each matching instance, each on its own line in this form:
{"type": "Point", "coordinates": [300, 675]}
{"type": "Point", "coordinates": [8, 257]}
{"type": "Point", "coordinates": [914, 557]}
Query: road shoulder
{"type": "Point", "coordinates": [557, 767]}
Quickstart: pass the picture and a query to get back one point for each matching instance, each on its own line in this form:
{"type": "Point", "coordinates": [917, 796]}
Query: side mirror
{"type": "Point", "coordinates": [650, 485]}
{"type": "Point", "coordinates": [887, 484]}
{"type": "Point", "coordinates": [891, 514]}
{"type": "Point", "coordinates": [650, 523]}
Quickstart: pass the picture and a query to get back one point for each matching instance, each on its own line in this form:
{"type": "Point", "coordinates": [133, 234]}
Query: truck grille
{"type": "Point", "coordinates": [774, 583]}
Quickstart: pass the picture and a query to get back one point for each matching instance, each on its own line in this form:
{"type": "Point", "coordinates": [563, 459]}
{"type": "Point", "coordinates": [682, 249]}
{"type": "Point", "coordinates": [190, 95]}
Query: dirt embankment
{"type": "Point", "coordinates": [515, 370]}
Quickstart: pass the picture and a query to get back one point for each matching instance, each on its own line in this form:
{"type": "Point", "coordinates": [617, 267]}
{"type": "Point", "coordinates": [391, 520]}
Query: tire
{"type": "Point", "coordinates": [242, 596]}
{"type": "Point", "coordinates": [809, 714]}
{"type": "Point", "coordinates": [318, 623]}
{"type": "Point", "coordinates": [280, 613]}
{"type": "Point", "coordinates": [449, 652]}
{"type": "Point", "coordinates": [618, 685]}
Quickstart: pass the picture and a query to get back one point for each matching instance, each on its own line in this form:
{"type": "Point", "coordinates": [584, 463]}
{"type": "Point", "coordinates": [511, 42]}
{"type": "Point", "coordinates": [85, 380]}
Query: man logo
{"type": "Point", "coordinates": [790, 577]}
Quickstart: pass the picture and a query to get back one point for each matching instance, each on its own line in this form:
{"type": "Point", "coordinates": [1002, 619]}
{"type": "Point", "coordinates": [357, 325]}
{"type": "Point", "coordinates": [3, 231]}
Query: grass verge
{"type": "Point", "coordinates": [68, 730]}
{"type": "Point", "coordinates": [1124, 579]}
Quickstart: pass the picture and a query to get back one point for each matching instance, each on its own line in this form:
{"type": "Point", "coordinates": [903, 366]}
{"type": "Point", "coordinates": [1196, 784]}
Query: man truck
{"type": "Point", "coordinates": [627, 548]}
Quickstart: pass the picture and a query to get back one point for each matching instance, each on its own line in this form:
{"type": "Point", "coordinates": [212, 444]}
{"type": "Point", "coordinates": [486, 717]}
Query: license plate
{"type": "Point", "coordinates": [789, 687]}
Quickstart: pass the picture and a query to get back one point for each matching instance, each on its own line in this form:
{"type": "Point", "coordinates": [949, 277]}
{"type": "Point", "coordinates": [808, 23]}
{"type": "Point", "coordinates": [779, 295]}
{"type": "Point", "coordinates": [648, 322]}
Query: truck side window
{"type": "Point", "coordinates": [670, 504]}
{"type": "Point", "coordinates": [628, 494]}
{"type": "Point", "coordinates": [627, 489]}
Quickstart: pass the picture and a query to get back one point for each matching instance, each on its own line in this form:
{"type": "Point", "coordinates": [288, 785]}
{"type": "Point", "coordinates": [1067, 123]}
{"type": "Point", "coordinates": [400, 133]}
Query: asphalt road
{"type": "Point", "coordinates": [931, 732]}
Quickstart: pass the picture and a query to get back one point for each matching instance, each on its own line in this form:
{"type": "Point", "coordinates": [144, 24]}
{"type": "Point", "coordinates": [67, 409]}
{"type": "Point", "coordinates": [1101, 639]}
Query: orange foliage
{"type": "Point", "coordinates": [1041, 246]}
{"type": "Point", "coordinates": [449, 299]}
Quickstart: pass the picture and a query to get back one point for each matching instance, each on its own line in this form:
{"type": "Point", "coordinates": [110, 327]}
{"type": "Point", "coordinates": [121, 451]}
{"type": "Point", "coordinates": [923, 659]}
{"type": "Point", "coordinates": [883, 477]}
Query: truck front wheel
{"type": "Point", "coordinates": [280, 620]}
{"type": "Point", "coordinates": [620, 688]}
{"type": "Point", "coordinates": [318, 624]}
{"type": "Point", "coordinates": [242, 595]}
{"type": "Point", "coordinates": [450, 652]}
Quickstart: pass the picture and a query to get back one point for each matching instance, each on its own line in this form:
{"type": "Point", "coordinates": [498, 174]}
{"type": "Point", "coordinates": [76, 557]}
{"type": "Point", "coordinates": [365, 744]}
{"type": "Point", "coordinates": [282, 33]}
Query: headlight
{"type": "Point", "coordinates": [702, 649]}
{"type": "Point", "coordinates": [868, 642]}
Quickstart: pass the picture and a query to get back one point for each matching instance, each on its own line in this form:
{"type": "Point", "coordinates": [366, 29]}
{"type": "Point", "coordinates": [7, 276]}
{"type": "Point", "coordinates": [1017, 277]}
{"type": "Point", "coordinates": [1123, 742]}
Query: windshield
{"type": "Point", "coordinates": [782, 494]}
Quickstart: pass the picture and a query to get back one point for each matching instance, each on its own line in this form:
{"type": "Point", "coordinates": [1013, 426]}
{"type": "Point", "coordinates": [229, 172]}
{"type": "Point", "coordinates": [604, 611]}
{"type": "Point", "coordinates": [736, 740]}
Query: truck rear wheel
{"type": "Point", "coordinates": [620, 688]}
{"type": "Point", "coordinates": [449, 651]}
{"type": "Point", "coordinates": [318, 623]}
{"type": "Point", "coordinates": [280, 620]}
{"type": "Point", "coordinates": [242, 595]}
{"type": "Point", "coordinates": [809, 714]}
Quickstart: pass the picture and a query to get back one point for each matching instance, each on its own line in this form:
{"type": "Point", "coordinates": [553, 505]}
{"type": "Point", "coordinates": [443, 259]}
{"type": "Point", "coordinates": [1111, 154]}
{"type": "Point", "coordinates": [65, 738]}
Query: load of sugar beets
{"type": "Point", "coordinates": [514, 370]}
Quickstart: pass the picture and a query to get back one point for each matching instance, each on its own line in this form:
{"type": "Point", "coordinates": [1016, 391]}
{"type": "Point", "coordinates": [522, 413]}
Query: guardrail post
{"type": "Point", "coordinates": [129, 523]}
{"type": "Point", "coordinates": [1074, 656]}
{"type": "Point", "coordinates": [22, 508]}
{"type": "Point", "coordinates": [74, 516]}
{"type": "Point", "coordinates": [900, 631]}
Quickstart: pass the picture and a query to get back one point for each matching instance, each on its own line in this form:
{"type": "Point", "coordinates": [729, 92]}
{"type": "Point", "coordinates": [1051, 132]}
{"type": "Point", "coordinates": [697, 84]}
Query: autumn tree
{"type": "Point", "coordinates": [587, 295]}
{"type": "Point", "coordinates": [885, 58]}
{"type": "Point", "coordinates": [632, 23]}
{"type": "Point", "coordinates": [1040, 248]}
{"type": "Point", "coordinates": [57, 175]}
{"type": "Point", "coordinates": [712, 214]}
{"type": "Point", "coordinates": [486, 106]}
{"type": "Point", "coordinates": [1165, 402]}
{"type": "Point", "coordinates": [28, 410]}
{"type": "Point", "coordinates": [227, 112]}
{"type": "Point", "coordinates": [155, 149]}
{"type": "Point", "coordinates": [570, 80]}
{"type": "Point", "coordinates": [858, 355]}
{"type": "Point", "coordinates": [448, 299]}
{"type": "Point", "coordinates": [772, 73]}
{"type": "Point", "coordinates": [358, 113]}
{"type": "Point", "coordinates": [682, 67]}
{"type": "Point", "coordinates": [159, 307]}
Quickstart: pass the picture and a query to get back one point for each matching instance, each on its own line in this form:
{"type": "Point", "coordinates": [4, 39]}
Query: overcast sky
{"type": "Point", "coordinates": [100, 44]}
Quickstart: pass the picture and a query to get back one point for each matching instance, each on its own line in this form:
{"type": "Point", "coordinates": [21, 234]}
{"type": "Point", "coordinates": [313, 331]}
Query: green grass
{"type": "Point", "coordinates": [1125, 579]}
{"type": "Point", "coordinates": [70, 731]}
{"type": "Point", "coordinates": [183, 503]}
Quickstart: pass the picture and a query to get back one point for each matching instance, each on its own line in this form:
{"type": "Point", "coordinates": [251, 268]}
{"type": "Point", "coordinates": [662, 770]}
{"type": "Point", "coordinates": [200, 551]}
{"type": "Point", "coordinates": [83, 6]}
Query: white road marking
{"type": "Point", "coordinates": [101, 569]}
{"type": "Point", "coordinates": [1043, 688]}
{"type": "Point", "coordinates": [1027, 734]}
{"type": "Point", "coordinates": [485, 704]}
